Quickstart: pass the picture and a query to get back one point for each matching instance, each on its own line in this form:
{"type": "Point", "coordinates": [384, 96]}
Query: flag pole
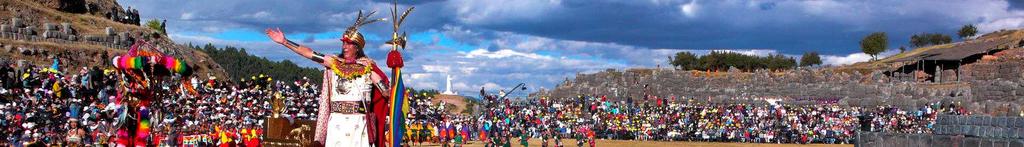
{"type": "Point", "coordinates": [399, 106]}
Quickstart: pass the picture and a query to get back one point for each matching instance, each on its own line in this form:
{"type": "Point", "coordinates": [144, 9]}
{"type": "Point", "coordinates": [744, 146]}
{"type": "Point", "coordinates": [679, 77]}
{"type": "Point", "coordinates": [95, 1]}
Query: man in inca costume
{"type": "Point", "coordinates": [142, 72]}
{"type": "Point", "coordinates": [353, 107]}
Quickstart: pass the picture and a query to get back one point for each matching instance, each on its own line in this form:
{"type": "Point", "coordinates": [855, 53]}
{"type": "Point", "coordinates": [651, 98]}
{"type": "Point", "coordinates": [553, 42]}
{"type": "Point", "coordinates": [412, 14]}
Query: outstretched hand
{"type": "Point", "coordinates": [276, 35]}
{"type": "Point", "coordinates": [368, 62]}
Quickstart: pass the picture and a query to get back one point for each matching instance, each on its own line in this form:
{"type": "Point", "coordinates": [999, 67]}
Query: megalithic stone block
{"type": "Point", "coordinates": [67, 29]}
{"type": "Point", "coordinates": [972, 142]}
{"type": "Point", "coordinates": [1020, 133]}
{"type": "Point", "coordinates": [949, 119]}
{"type": "Point", "coordinates": [984, 131]}
{"type": "Point", "coordinates": [1004, 121]}
{"type": "Point", "coordinates": [987, 121]}
{"type": "Point", "coordinates": [977, 121]}
{"type": "Point", "coordinates": [1018, 121]}
{"type": "Point", "coordinates": [49, 27]}
{"type": "Point", "coordinates": [990, 131]}
{"type": "Point", "coordinates": [50, 34]}
{"type": "Point", "coordinates": [946, 129]}
{"type": "Point", "coordinates": [17, 22]}
{"type": "Point", "coordinates": [1011, 133]}
{"type": "Point", "coordinates": [940, 139]}
{"type": "Point", "coordinates": [974, 131]}
{"type": "Point", "coordinates": [963, 130]}
{"type": "Point", "coordinates": [994, 132]}
{"type": "Point", "coordinates": [109, 31]}
{"type": "Point", "coordinates": [959, 120]}
{"type": "Point", "coordinates": [998, 132]}
{"type": "Point", "coordinates": [1017, 142]}
{"type": "Point", "coordinates": [123, 36]}
{"type": "Point", "coordinates": [940, 120]}
{"type": "Point", "coordinates": [1000, 142]}
{"type": "Point", "coordinates": [916, 140]}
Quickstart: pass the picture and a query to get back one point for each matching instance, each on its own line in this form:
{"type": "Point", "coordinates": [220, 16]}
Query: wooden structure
{"type": "Point", "coordinates": [283, 132]}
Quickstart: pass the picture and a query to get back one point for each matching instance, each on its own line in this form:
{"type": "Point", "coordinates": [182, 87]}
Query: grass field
{"type": "Point", "coordinates": [622, 143]}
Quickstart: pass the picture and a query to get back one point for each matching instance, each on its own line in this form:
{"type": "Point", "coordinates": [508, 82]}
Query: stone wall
{"type": "Point", "coordinates": [18, 29]}
{"type": "Point", "coordinates": [992, 87]}
{"type": "Point", "coordinates": [956, 130]}
{"type": "Point", "coordinates": [878, 139]}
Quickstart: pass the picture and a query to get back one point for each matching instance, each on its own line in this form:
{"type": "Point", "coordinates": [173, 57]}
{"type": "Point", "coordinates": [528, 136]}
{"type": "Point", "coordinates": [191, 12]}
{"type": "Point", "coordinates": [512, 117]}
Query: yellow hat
{"type": "Point", "coordinates": [352, 34]}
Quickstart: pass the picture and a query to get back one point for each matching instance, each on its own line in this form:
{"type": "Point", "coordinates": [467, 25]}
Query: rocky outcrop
{"type": "Point", "coordinates": [70, 6]}
{"type": "Point", "coordinates": [36, 33]}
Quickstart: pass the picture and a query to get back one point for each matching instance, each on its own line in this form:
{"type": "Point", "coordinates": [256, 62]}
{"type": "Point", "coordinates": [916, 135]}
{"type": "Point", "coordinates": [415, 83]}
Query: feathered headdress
{"type": "Point", "coordinates": [352, 34]}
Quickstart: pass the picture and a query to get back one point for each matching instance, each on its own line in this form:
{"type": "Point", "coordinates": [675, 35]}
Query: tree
{"type": "Point", "coordinates": [684, 61]}
{"type": "Point", "coordinates": [936, 39]}
{"type": "Point", "coordinates": [720, 60]}
{"type": "Point", "coordinates": [926, 39]}
{"type": "Point", "coordinates": [810, 59]}
{"type": "Point", "coordinates": [903, 49]}
{"type": "Point", "coordinates": [156, 25]}
{"type": "Point", "coordinates": [918, 41]}
{"type": "Point", "coordinates": [967, 31]}
{"type": "Point", "coordinates": [874, 44]}
{"type": "Point", "coordinates": [240, 64]}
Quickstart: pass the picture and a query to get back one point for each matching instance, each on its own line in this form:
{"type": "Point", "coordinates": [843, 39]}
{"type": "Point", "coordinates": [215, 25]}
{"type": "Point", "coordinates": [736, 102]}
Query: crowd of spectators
{"type": "Point", "coordinates": [49, 106]}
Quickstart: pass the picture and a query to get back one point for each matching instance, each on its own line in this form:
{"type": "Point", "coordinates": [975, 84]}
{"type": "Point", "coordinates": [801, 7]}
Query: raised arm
{"type": "Point", "coordinates": [278, 37]}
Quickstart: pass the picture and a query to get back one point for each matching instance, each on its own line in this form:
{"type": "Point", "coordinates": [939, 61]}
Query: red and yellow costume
{"type": "Point", "coordinates": [375, 109]}
{"type": "Point", "coordinates": [136, 91]}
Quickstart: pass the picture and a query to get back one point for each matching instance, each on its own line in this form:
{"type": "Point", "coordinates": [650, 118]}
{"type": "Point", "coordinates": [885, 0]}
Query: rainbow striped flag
{"type": "Point", "coordinates": [399, 108]}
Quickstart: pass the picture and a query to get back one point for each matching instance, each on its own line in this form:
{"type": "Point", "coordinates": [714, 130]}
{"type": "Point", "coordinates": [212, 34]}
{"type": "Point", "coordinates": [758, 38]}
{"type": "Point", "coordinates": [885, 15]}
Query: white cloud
{"type": "Point", "coordinates": [504, 53]}
{"type": "Point", "coordinates": [752, 52]}
{"type": "Point", "coordinates": [853, 58]}
{"type": "Point", "coordinates": [491, 85]}
{"type": "Point", "coordinates": [690, 9]}
{"type": "Point", "coordinates": [194, 38]}
{"type": "Point", "coordinates": [996, 25]}
{"type": "Point", "coordinates": [257, 15]}
{"type": "Point", "coordinates": [425, 85]}
{"type": "Point", "coordinates": [419, 75]}
{"type": "Point", "coordinates": [497, 11]}
{"type": "Point", "coordinates": [460, 86]}
{"type": "Point", "coordinates": [342, 17]}
{"type": "Point", "coordinates": [845, 60]}
{"type": "Point", "coordinates": [468, 70]}
{"type": "Point", "coordinates": [187, 16]}
{"type": "Point", "coordinates": [437, 68]}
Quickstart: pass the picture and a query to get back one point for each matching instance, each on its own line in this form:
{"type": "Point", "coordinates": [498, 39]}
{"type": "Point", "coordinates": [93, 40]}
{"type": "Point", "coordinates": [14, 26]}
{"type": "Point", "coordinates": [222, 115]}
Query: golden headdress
{"type": "Point", "coordinates": [352, 34]}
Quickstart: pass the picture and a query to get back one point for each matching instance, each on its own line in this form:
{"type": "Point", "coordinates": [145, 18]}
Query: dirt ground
{"type": "Point", "coordinates": [622, 143]}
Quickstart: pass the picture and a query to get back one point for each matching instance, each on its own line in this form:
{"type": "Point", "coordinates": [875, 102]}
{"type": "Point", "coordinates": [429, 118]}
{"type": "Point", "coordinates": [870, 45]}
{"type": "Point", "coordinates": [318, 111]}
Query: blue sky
{"type": "Point", "coordinates": [500, 43]}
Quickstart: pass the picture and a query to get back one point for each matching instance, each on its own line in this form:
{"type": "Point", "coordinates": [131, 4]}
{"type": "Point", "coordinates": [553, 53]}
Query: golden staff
{"type": "Point", "coordinates": [396, 40]}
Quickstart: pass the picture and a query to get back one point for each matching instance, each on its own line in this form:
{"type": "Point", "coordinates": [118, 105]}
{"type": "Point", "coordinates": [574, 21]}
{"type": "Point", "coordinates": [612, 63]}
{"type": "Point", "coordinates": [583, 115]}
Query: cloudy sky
{"type": "Point", "coordinates": [499, 43]}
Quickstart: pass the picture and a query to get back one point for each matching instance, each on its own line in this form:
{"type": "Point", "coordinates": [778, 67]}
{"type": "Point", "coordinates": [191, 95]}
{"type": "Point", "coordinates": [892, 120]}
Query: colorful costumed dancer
{"type": "Point", "coordinates": [141, 71]}
{"type": "Point", "coordinates": [353, 107]}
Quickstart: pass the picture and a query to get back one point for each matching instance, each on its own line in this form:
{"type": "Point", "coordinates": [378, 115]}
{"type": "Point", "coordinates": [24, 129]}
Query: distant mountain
{"type": "Point", "coordinates": [240, 64]}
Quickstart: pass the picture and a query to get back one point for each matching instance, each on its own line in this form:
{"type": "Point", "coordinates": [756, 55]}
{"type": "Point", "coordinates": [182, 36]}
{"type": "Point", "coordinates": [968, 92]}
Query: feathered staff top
{"type": "Point", "coordinates": [137, 64]}
{"type": "Point", "coordinates": [138, 60]}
